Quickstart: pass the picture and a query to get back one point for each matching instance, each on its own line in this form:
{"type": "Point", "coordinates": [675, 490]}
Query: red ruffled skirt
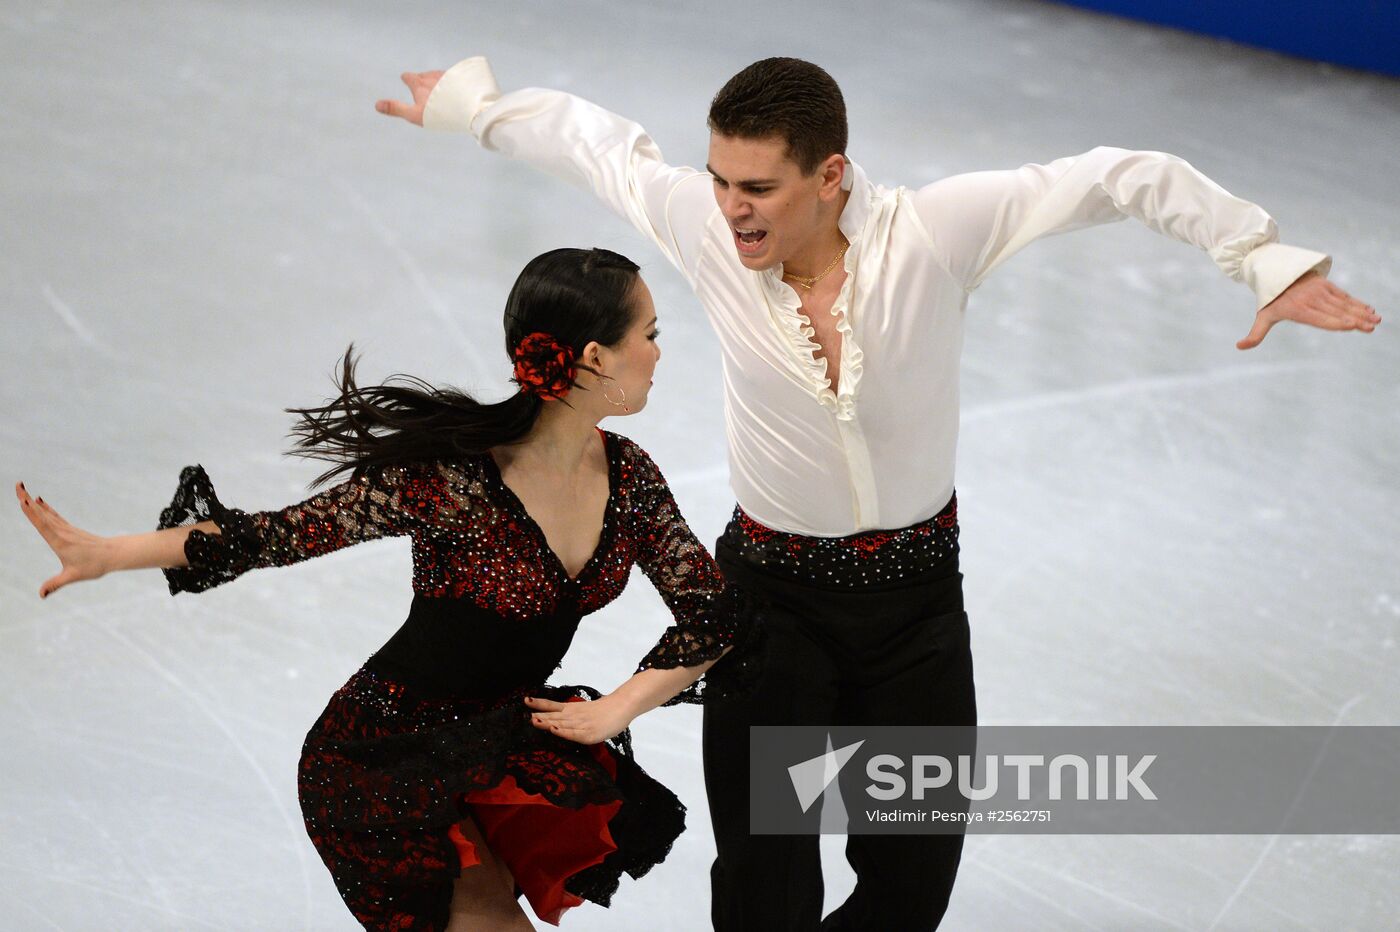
{"type": "Point", "coordinates": [386, 777]}
{"type": "Point", "coordinates": [542, 844]}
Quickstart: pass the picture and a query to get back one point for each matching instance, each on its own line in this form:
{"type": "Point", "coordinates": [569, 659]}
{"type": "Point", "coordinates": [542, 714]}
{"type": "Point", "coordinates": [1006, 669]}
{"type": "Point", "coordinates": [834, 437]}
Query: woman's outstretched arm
{"type": "Point", "coordinates": [84, 555]}
{"type": "Point", "coordinates": [202, 544]}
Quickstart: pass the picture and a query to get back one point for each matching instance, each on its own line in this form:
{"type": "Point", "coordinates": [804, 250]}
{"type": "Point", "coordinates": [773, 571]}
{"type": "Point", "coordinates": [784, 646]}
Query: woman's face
{"type": "Point", "coordinates": [631, 362]}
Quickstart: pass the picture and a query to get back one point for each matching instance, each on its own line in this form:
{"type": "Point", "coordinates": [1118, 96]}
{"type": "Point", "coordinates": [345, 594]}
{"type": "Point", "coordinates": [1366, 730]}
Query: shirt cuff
{"type": "Point", "coordinates": [1269, 269]}
{"type": "Point", "coordinates": [464, 90]}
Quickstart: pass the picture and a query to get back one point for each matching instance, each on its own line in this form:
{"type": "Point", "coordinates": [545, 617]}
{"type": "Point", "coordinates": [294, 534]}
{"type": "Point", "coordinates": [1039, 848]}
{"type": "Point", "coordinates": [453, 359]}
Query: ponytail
{"type": "Point", "coordinates": [405, 420]}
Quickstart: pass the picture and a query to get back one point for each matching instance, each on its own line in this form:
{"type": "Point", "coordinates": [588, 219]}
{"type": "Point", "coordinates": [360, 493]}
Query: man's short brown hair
{"type": "Point", "coordinates": [785, 97]}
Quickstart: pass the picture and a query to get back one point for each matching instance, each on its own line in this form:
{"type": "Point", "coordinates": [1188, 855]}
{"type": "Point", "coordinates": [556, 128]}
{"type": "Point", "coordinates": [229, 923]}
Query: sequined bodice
{"type": "Point", "coordinates": [473, 541]}
{"type": "Point", "coordinates": [479, 543]}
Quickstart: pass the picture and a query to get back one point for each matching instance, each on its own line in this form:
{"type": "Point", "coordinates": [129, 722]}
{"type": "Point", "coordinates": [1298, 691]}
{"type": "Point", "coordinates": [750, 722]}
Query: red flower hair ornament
{"type": "Point", "coordinates": [544, 366]}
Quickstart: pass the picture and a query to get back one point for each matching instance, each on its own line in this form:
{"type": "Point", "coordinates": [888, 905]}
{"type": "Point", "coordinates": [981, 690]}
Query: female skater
{"type": "Point", "coordinates": [445, 778]}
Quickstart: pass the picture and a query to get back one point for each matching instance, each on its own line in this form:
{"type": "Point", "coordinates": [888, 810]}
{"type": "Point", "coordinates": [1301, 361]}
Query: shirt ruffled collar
{"type": "Point", "coordinates": [798, 329]}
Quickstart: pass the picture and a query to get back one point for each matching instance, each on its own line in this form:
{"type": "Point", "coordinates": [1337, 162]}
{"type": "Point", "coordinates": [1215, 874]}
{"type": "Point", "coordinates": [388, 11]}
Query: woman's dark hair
{"type": "Point", "coordinates": [785, 97]}
{"type": "Point", "coordinates": [576, 295]}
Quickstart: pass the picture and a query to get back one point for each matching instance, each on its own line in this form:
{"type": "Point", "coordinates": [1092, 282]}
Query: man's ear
{"type": "Point", "coordinates": [833, 172]}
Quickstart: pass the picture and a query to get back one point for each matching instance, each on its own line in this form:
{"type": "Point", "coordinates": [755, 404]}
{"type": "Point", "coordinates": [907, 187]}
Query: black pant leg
{"type": "Point", "coordinates": [920, 675]}
{"type": "Point", "coordinates": [765, 883]}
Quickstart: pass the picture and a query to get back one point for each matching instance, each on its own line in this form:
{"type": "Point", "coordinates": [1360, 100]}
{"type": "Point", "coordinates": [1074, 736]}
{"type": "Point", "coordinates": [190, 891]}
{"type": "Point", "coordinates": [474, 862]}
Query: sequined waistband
{"type": "Point", "coordinates": [389, 696]}
{"type": "Point", "coordinates": [857, 560]}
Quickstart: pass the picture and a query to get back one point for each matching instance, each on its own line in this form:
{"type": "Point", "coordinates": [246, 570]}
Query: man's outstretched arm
{"type": "Point", "coordinates": [979, 220]}
{"type": "Point", "coordinates": [571, 138]}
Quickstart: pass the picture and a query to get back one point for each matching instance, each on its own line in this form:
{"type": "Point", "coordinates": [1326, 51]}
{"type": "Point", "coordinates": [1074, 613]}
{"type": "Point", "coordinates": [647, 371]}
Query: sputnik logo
{"type": "Point", "coordinates": [811, 777]}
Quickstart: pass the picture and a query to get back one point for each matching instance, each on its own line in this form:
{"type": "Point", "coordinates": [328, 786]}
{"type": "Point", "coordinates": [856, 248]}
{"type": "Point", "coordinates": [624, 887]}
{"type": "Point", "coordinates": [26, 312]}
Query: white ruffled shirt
{"type": "Point", "coordinates": [879, 452]}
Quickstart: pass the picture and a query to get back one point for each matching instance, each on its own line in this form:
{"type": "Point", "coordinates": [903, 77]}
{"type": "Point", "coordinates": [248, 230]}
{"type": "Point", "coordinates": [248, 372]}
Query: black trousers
{"type": "Point", "coordinates": [894, 653]}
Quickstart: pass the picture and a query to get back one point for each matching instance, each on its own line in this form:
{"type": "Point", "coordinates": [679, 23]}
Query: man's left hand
{"type": "Point", "coordinates": [1315, 301]}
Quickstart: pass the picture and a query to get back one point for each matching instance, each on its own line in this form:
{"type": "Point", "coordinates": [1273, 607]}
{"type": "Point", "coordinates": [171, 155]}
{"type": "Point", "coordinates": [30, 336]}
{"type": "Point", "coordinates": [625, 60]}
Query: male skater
{"type": "Point", "coordinates": [839, 310]}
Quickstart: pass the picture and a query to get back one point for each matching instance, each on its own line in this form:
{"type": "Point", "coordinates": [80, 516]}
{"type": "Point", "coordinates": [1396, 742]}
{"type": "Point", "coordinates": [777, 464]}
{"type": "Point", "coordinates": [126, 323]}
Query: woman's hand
{"type": "Point", "coordinates": [580, 720]}
{"type": "Point", "coordinates": [82, 554]}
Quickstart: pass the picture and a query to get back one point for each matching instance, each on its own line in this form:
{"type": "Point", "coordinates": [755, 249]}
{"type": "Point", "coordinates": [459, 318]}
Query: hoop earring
{"type": "Point", "coordinates": [609, 383]}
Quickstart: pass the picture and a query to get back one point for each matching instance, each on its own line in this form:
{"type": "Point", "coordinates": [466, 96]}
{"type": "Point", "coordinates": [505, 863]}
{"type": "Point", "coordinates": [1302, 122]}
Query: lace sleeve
{"type": "Point", "coordinates": [379, 503]}
{"type": "Point", "coordinates": [709, 616]}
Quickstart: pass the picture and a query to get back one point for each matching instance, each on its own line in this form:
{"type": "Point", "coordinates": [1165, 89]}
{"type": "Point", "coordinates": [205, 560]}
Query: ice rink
{"type": "Point", "coordinates": [201, 208]}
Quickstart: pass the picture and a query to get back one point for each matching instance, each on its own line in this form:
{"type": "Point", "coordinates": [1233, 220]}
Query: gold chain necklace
{"type": "Point", "coordinates": [807, 282]}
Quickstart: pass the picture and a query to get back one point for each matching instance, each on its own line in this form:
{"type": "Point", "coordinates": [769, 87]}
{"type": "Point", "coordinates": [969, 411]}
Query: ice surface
{"type": "Point", "coordinates": [201, 209]}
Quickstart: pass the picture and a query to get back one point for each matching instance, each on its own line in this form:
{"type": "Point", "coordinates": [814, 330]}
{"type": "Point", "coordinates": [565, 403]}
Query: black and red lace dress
{"type": "Point", "coordinates": [434, 728]}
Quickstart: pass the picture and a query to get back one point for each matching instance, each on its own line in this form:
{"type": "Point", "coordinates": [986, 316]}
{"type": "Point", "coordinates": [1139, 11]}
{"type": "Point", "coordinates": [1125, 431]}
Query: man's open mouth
{"type": "Point", "coordinates": [749, 242]}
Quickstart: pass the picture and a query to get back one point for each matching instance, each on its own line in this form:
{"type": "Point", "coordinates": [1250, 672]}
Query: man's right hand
{"type": "Point", "coordinates": [420, 85]}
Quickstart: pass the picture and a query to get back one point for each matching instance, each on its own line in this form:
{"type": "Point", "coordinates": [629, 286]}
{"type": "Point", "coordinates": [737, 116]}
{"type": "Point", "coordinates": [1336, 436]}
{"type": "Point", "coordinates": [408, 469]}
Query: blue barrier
{"type": "Point", "coordinates": [1357, 33]}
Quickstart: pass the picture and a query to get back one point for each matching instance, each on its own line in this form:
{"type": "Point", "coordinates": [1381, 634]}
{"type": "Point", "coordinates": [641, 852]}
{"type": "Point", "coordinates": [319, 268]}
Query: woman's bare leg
{"type": "Point", "coordinates": [483, 898]}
